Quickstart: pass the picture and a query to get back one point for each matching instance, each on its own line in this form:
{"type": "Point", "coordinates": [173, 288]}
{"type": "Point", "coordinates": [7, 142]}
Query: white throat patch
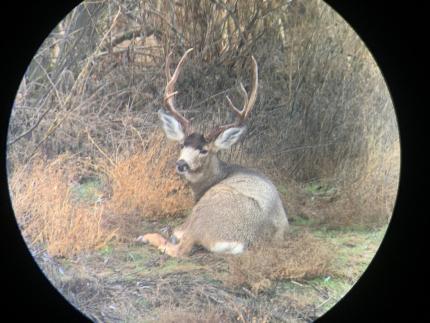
{"type": "Point", "coordinates": [193, 178]}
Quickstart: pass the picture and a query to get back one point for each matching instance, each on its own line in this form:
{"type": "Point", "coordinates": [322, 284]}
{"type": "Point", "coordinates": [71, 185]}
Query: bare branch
{"type": "Point", "coordinates": [248, 104]}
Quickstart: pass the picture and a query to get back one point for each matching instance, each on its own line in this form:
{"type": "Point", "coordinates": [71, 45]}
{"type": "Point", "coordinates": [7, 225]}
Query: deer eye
{"type": "Point", "coordinates": [203, 151]}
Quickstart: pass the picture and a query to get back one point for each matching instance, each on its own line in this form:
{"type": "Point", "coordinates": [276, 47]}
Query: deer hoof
{"type": "Point", "coordinates": [173, 239]}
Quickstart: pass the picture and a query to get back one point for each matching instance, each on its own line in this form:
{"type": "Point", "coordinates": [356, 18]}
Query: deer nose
{"type": "Point", "coordinates": [182, 166]}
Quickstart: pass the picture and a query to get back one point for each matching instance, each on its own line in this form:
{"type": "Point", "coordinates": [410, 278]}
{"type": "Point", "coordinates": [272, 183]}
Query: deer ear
{"type": "Point", "coordinates": [228, 138]}
{"type": "Point", "coordinates": [172, 128]}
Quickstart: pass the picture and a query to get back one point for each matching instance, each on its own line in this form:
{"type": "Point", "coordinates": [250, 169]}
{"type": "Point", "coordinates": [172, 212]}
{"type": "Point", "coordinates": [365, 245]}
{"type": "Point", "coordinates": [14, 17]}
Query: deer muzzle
{"type": "Point", "coordinates": [182, 166]}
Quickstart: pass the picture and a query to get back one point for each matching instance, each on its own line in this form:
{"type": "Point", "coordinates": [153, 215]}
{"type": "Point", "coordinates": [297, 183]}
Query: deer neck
{"type": "Point", "coordinates": [213, 173]}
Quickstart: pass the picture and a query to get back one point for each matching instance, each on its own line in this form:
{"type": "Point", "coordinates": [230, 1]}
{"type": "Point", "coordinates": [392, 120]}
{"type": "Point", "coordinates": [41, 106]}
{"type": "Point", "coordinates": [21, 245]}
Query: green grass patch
{"type": "Point", "coordinates": [332, 288]}
{"type": "Point", "coordinates": [282, 189]}
{"type": "Point", "coordinates": [353, 249]}
{"type": "Point", "coordinates": [106, 250]}
{"type": "Point", "coordinates": [318, 188]}
{"type": "Point", "coordinates": [89, 191]}
{"type": "Point", "coordinates": [300, 221]}
{"type": "Point", "coordinates": [174, 266]}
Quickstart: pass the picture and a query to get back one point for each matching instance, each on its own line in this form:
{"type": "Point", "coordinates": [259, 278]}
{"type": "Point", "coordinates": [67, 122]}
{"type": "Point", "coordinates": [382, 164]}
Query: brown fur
{"type": "Point", "coordinates": [233, 205]}
{"type": "Point", "coordinates": [195, 140]}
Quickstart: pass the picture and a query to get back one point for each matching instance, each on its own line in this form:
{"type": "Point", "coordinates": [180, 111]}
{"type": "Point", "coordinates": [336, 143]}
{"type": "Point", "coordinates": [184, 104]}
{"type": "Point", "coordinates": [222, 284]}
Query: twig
{"type": "Point", "coordinates": [65, 102]}
{"type": "Point", "coordinates": [320, 305]}
{"type": "Point", "coordinates": [180, 36]}
{"type": "Point", "coordinates": [209, 98]}
{"type": "Point", "coordinates": [233, 16]}
{"type": "Point", "coordinates": [98, 148]}
{"type": "Point", "coordinates": [297, 283]}
{"type": "Point", "coordinates": [239, 313]}
{"type": "Point", "coordinates": [25, 133]}
{"type": "Point", "coordinates": [248, 292]}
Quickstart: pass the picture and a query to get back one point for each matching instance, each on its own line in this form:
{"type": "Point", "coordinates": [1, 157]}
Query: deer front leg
{"type": "Point", "coordinates": [174, 250]}
{"type": "Point", "coordinates": [154, 239]}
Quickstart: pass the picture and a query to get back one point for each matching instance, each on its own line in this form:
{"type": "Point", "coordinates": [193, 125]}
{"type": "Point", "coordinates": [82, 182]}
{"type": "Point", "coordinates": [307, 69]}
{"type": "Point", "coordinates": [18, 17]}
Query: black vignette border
{"type": "Point", "coordinates": [26, 290]}
{"type": "Point", "coordinates": [391, 33]}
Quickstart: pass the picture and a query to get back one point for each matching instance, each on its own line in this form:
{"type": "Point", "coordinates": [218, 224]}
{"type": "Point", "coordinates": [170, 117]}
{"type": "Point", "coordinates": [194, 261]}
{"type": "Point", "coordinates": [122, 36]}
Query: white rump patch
{"type": "Point", "coordinates": [233, 248]}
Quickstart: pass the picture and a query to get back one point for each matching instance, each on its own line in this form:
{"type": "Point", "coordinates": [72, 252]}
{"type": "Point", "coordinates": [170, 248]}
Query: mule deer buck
{"type": "Point", "coordinates": [235, 206]}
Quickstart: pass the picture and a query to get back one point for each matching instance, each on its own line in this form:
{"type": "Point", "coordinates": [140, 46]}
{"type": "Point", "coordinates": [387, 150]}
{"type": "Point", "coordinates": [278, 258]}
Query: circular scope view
{"type": "Point", "coordinates": [203, 161]}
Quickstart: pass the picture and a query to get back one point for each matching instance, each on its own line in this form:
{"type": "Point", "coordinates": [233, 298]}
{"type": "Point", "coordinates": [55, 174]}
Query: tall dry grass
{"type": "Point", "coordinates": [41, 194]}
{"type": "Point", "coordinates": [368, 196]}
{"type": "Point", "coordinates": [146, 183]}
{"type": "Point", "coordinates": [322, 101]}
{"type": "Point", "coordinates": [49, 212]}
{"type": "Point", "coordinates": [361, 195]}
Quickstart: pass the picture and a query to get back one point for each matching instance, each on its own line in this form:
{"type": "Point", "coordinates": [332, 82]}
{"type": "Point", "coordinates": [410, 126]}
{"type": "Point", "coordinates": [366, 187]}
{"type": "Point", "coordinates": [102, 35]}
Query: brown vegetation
{"type": "Point", "coordinates": [42, 198]}
{"type": "Point", "coordinates": [146, 183]}
{"type": "Point", "coordinates": [323, 112]}
{"type": "Point", "coordinates": [323, 128]}
{"type": "Point", "coordinates": [362, 195]}
{"type": "Point", "coordinates": [173, 315]}
{"type": "Point", "coordinates": [300, 256]}
{"type": "Point", "coordinates": [142, 185]}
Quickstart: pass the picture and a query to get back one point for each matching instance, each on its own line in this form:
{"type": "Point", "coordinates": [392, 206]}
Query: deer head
{"type": "Point", "coordinates": [197, 149]}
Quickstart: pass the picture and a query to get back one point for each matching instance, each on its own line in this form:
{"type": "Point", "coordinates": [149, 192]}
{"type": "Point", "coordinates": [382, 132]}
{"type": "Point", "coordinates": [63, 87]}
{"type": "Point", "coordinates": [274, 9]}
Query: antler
{"type": "Point", "coordinates": [169, 93]}
{"type": "Point", "coordinates": [248, 104]}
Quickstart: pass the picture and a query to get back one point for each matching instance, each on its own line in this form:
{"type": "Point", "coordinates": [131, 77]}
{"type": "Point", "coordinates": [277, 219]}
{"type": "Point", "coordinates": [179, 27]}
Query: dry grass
{"type": "Point", "coordinates": [146, 183]}
{"type": "Point", "coordinates": [132, 283]}
{"type": "Point", "coordinates": [300, 256]}
{"type": "Point", "coordinates": [49, 212]}
{"type": "Point", "coordinates": [43, 203]}
{"type": "Point", "coordinates": [368, 199]}
{"type": "Point", "coordinates": [172, 315]}
{"type": "Point", "coordinates": [362, 195]}
{"type": "Point", "coordinates": [108, 94]}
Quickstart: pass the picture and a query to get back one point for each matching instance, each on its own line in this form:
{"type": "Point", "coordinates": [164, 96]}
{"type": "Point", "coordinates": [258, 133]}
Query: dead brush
{"type": "Point", "coordinates": [300, 256]}
{"type": "Point", "coordinates": [362, 195]}
{"type": "Point", "coordinates": [170, 314]}
{"type": "Point", "coordinates": [145, 183]}
{"type": "Point", "coordinates": [43, 204]}
{"type": "Point", "coordinates": [368, 198]}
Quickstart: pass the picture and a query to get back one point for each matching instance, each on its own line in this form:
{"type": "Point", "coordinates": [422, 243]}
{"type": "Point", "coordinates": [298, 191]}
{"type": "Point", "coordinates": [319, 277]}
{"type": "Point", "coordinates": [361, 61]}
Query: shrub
{"type": "Point", "coordinates": [145, 183]}
{"type": "Point", "coordinates": [42, 198]}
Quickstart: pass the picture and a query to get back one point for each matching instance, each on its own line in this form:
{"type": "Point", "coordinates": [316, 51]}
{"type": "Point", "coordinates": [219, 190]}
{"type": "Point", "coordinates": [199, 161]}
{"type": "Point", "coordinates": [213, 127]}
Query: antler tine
{"type": "Point", "coordinates": [248, 104]}
{"type": "Point", "coordinates": [169, 93]}
{"type": "Point", "coordinates": [253, 96]}
{"type": "Point", "coordinates": [167, 67]}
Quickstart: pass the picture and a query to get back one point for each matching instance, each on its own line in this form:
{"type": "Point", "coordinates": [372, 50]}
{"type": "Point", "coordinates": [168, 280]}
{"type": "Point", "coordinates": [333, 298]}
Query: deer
{"type": "Point", "coordinates": [235, 207]}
